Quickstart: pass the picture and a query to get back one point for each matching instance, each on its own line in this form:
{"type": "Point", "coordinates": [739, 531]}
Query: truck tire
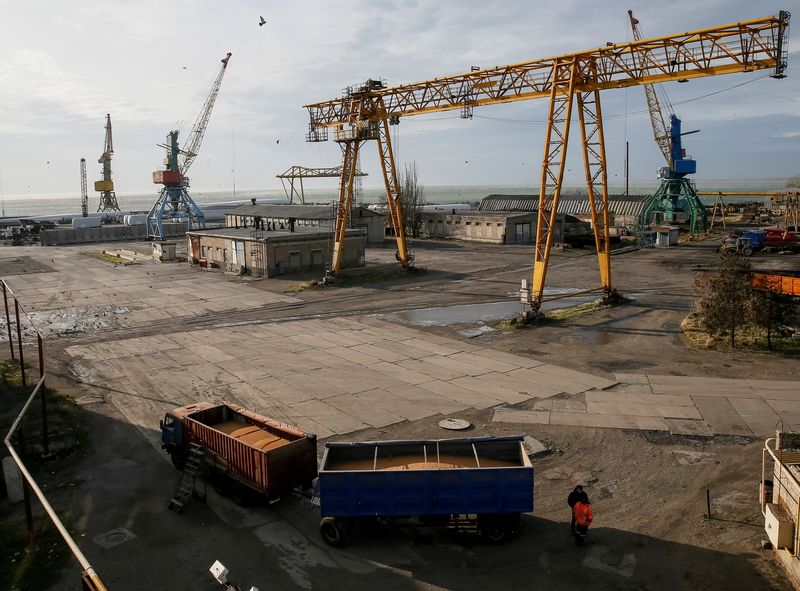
{"type": "Point", "coordinates": [334, 532]}
{"type": "Point", "coordinates": [747, 252]}
{"type": "Point", "coordinates": [497, 529]}
{"type": "Point", "coordinates": [178, 458]}
{"type": "Point", "coordinates": [240, 494]}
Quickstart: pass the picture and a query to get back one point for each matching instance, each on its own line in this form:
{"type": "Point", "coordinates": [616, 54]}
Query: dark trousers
{"type": "Point", "coordinates": [580, 534]}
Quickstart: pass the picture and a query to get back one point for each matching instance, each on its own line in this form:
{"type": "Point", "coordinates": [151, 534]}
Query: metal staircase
{"type": "Point", "coordinates": [187, 483]}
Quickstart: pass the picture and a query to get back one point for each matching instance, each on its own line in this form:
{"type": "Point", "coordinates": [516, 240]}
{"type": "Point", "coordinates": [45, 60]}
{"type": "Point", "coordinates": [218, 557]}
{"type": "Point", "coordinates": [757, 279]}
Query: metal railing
{"type": "Point", "coordinates": [90, 578]}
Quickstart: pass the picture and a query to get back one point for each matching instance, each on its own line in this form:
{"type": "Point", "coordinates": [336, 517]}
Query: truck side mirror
{"type": "Point", "coordinates": [161, 424]}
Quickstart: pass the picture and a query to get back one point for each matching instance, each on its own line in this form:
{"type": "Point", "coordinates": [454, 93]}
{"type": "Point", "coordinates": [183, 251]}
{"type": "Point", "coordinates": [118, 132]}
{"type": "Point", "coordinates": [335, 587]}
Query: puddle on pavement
{"type": "Point", "coordinates": [478, 314]}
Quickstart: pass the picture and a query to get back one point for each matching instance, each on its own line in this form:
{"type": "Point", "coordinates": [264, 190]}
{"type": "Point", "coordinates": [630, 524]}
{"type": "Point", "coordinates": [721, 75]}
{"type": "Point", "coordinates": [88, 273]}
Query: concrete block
{"type": "Point", "coordinates": [721, 416]}
{"type": "Point", "coordinates": [689, 427]}
{"type": "Point", "coordinates": [510, 415]}
{"type": "Point", "coordinates": [13, 479]}
{"type": "Point", "coordinates": [758, 415]}
{"type": "Point", "coordinates": [643, 410]}
{"type": "Point", "coordinates": [578, 419]}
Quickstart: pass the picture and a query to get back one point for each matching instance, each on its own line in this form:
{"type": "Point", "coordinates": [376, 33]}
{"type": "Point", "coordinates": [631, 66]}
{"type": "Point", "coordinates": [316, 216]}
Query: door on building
{"type": "Point", "coordinates": [238, 253]}
{"type": "Point", "coordinates": [295, 260]}
{"type": "Point", "coordinates": [523, 232]}
{"type": "Point", "coordinates": [195, 247]}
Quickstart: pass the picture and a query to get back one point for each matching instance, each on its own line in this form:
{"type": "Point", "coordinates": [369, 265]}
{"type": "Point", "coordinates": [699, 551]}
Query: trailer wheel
{"type": "Point", "coordinates": [240, 494]}
{"type": "Point", "coordinates": [497, 529]}
{"type": "Point", "coordinates": [178, 458]}
{"type": "Point", "coordinates": [334, 532]}
{"type": "Point", "coordinates": [222, 484]}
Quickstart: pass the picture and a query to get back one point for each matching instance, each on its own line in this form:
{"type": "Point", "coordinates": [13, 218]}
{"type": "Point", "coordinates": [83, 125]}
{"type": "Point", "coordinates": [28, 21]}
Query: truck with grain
{"type": "Point", "coordinates": [243, 452]}
{"type": "Point", "coordinates": [479, 484]}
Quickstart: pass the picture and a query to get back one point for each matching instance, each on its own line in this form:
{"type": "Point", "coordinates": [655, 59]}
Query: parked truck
{"type": "Point", "coordinates": [244, 452]}
{"type": "Point", "coordinates": [481, 484]}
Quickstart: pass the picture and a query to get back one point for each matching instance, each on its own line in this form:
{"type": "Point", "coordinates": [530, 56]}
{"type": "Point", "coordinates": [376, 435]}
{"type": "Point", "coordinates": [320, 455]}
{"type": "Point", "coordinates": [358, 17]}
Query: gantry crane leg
{"type": "Point", "coordinates": [555, 153]}
{"type": "Point", "coordinates": [594, 160]}
{"type": "Point", "coordinates": [349, 159]}
{"type": "Point", "coordinates": [393, 198]}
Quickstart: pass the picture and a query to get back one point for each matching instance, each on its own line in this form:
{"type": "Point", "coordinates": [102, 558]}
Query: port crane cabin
{"type": "Point", "coordinates": [365, 112]}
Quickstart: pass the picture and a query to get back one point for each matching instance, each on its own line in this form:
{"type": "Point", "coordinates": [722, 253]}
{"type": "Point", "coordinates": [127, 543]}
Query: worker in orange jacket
{"type": "Point", "coordinates": [582, 515]}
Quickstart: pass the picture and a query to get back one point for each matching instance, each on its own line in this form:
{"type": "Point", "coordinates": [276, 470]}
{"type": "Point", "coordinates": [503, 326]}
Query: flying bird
{"type": "Point", "coordinates": [263, 22]}
{"type": "Point", "coordinates": [184, 67]}
{"type": "Point", "coordinates": [277, 141]}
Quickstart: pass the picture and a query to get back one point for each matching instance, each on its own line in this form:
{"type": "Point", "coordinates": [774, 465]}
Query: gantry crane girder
{"type": "Point", "coordinates": [298, 172]}
{"type": "Point", "coordinates": [364, 113]}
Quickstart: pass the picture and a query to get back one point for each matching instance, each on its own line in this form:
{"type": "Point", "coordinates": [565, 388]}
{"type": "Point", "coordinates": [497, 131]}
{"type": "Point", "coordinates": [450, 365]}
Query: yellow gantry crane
{"type": "Point", "coordinates": [364, 112]}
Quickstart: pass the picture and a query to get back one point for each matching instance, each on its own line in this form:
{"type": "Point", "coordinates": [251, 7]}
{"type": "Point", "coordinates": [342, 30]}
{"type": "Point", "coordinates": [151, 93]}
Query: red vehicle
{"type": "Point", "coordinates": [243, 450]}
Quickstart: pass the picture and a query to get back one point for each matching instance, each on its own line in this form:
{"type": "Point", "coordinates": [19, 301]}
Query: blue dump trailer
{"type": "Point", "coordinates": [479, 484]}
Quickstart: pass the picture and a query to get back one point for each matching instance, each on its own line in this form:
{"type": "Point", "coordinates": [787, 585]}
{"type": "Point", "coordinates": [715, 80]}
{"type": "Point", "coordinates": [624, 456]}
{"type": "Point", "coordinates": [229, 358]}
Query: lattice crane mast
{"type": "Point", "coordinates": [364, 113]}
{"type": "Point", "coordinates": [84, 190]}
{"type": "Point", "coordinates": [174, 201]}
{"type": "Point", "coordinates": [108, 198]}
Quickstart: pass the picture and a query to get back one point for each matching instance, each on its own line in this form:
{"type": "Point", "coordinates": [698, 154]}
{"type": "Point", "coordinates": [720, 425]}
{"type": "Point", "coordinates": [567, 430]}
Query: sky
{"type": "Point", "coordinates": [150, 64]}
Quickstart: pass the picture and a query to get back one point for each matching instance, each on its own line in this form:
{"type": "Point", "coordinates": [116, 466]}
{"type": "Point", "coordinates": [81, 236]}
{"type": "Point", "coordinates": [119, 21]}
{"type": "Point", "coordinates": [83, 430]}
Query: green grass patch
{"type": "Point", "coordinates": [108, 258]}
{"type": "Point", "coordinates": [29, 571]}
{"type": "Point", "coordinates": [573, 312]}
{"type": "Point", "coordinates": [312, 285]}
{"type": "Point", "coordinates": [748, 338]}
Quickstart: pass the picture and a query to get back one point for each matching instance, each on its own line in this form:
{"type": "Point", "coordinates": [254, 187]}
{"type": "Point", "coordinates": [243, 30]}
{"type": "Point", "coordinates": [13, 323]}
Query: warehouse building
{"type": "Point", "coordinates": [267, 253]}
{"type": "Point", "coordinates": [277, 217]}
{"type": "Point", "coordinates": [496, 227]}
{"type": "Point", "coordinates": [624, 210]}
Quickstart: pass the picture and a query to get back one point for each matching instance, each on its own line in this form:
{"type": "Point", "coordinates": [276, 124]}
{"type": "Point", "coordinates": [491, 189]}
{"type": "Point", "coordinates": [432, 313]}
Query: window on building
{"type": "Point", "coordinates": [203, 251]}
{"type": "Point", "coordinates": [316, 257]}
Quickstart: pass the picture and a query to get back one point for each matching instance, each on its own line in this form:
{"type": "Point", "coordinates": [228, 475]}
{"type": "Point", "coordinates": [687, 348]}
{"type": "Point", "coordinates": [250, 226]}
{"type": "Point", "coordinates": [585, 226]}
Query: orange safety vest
{"type": "Point", "coordinates": [583, 514]}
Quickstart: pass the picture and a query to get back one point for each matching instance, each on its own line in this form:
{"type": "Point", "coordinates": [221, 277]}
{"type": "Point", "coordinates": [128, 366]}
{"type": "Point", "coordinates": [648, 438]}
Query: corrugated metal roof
{"type": "Point", "coordinates": [299, 212]}
{"type": "Point", "coordinates": [628, 205]}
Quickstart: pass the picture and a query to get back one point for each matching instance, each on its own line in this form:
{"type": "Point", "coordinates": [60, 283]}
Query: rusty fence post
{"type": "Point", "coordinates": [43, 393]}
{"type": "Point", "coordinates": [8, 320]}
{"type": "Point", "coordinates": [19, 338]}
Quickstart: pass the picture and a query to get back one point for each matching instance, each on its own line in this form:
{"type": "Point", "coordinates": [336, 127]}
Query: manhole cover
{"type": "Point", "coordinates": [455, 424]}
{"type": "Point", "coordinates": [112, 538]}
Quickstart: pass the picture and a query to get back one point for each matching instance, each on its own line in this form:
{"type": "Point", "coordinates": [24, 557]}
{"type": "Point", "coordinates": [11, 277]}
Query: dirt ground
{"type": "Point", "coordinates": [648, 490]}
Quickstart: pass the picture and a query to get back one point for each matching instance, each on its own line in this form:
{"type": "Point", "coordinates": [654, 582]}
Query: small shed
{"type": "Point", "coordinates": [280, 217]}
{"type": "Point", "coordinates": [165, 251]}
{"type": "Point", "coordinates": [266, 253]}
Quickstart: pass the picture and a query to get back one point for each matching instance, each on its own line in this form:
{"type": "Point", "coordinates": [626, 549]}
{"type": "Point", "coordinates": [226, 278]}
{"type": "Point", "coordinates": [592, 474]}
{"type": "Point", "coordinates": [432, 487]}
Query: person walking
{"type": "Point", "coordinates": [573, 498]}
{"type": "Point", "coordinates": [582, 515]}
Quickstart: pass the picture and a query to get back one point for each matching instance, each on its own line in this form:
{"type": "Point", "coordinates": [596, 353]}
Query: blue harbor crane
{"type": "Point", "coordinates": [174, 202]}
{"type": "Point", "coordinates": [676, 193]}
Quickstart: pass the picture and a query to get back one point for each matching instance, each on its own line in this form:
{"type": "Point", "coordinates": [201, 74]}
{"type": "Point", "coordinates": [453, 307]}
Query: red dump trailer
{"type": "Point", "coordinates": [244, 451]}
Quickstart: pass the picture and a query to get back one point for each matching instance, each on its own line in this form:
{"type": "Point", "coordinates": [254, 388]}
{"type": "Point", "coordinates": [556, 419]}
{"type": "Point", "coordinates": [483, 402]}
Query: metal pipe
{"type": "Point", "coordinates": [87, 567]}
{"type": "Point", "coordinates": [19, 339]}
{"type": "Point", "coordinates": [8, 321]}
{"type": "Point", "coordinates": [45, 431]}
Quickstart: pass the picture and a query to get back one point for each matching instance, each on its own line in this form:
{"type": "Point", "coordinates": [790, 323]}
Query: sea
{"type": "Point", "coordinates": [68, 204]}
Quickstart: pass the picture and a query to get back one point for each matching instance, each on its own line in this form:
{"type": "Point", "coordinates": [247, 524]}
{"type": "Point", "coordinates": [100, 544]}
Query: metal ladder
{"type": "Point", "coordinates": [187, 483]}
